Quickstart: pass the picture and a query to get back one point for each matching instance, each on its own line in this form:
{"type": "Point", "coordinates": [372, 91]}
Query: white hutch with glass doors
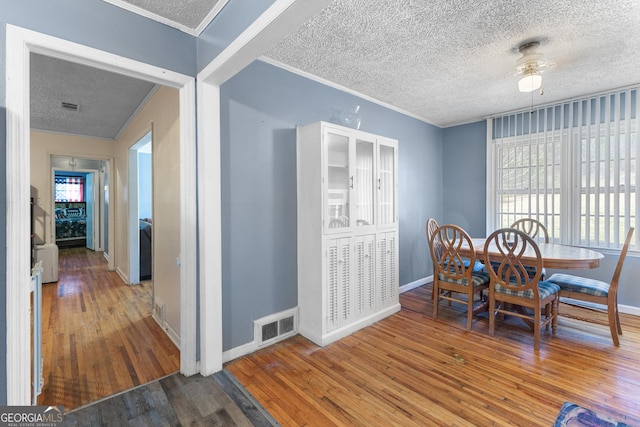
{"type": "Point", "coordinates": [347, 230]}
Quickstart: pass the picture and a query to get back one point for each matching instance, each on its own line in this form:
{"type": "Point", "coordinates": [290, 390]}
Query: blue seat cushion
{"type": "Point", "coordinates": [478, 279]}
{"type": "Point", "coordinates": [478, 266]}
{"type": "Point", "coordinates": [583, 285]}
{"type": "Point", "coordinates": [545, 289]}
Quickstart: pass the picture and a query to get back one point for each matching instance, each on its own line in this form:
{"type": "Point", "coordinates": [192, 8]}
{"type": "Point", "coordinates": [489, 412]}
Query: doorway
{"type": "Point", "coordinates": [141, 210]}
{"type": "Point", "coordinates": [20, 43]}
{"type": "Point", "coordinates": [78, 202]}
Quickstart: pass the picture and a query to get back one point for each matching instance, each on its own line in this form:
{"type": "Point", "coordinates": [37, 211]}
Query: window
{"type": "Point", "coordinates": [572, 166]}
{"type": "Point", "coordinates": [69, 189]}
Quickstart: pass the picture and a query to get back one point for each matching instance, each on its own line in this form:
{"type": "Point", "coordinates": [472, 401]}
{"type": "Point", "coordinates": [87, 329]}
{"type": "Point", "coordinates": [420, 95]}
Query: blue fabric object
{"type": "Point", "coordinates": [478, 279]}
{"type": "Point", "coordinates": [477, 266]}
{"type": "Point", "coordinates": [572, 414]}
{"type": "Point", "coordinates": [545, 289]}
{"type": "Point", "coordinates": [583, 285]}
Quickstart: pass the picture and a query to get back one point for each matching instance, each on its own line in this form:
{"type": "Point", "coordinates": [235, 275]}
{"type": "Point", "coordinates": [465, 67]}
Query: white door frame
{"type": "Point", "coordinates": [282, 17]}
{"type": "Point", "coordinates": [20, 44]}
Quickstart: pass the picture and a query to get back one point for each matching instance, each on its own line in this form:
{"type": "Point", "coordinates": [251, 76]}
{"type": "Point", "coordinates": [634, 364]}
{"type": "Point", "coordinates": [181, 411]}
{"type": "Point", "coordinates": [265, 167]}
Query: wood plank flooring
{"type": "Point", "coordinates": [98, 335]}
{"type": "Point", "coordinates": [175, 400]}
{"type": "Point", "coordinates": [411, 370]}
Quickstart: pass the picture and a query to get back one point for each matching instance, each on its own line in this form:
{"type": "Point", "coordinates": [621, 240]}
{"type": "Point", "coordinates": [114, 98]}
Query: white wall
{"type": "Point", "coordinates": [161, 113]}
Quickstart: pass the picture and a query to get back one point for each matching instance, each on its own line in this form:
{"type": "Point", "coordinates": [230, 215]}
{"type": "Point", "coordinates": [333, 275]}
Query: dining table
{"type": "Point", "coordinates": [554, 256]}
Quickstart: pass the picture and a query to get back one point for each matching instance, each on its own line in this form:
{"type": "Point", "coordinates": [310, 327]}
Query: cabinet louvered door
{"type": "Point", "coordinates": [387, 285]}
{"type": "Point", "coordinates": [364, 297]}
{"type": "Point", "coordinates": [338, 288]}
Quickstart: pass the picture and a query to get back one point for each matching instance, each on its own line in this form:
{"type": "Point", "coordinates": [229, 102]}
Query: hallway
{"type": "Point", "coordinates": [98, 334]}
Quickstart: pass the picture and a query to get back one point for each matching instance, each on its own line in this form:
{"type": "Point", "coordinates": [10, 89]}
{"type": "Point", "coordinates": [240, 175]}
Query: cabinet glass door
{"type": "Point", "coordinates": [386, 184]}
{"type": "Point", "coordinates": [339, 181]}
{"type": "Point", "coordinates": [364, 185]}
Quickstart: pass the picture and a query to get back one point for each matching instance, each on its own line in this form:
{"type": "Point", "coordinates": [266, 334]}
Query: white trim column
{"type": "Point", "coordinates": [274, 24]}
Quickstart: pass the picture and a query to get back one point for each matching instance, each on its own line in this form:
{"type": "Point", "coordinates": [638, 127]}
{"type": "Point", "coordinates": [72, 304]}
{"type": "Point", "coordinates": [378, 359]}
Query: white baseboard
{"type": "Point", "coordinates": [253, 346]}
{"type": "Point", "coordinates": [339, 333]}
{"type": "Point", "coordinates": [629, 309]}
{"type": "Point", "coordinates": [239, 351]}
{"type": "Point", "coordinates": [415, 284]}
{"type": "Point", "coordinates": [173, 336]}
{"type": "Point", "coordinates": [123, 275]}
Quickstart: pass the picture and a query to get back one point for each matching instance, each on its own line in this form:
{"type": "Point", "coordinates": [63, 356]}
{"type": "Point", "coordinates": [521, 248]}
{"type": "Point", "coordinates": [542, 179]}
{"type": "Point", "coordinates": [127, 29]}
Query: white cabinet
{"type": "Point", "coordinates": [387, 268]}
{"type": "Point", "coordinates": [347, 230]}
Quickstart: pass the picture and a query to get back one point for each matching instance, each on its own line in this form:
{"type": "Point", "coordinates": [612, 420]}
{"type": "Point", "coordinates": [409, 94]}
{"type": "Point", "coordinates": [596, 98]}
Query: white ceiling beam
{"type": "Point", "coordinates": [277, 22]}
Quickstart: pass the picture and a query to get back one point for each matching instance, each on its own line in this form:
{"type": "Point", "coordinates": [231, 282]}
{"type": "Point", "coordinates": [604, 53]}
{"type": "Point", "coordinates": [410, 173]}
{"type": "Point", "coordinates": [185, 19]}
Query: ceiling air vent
{"type": "Point", "coordinates": [69, 106]}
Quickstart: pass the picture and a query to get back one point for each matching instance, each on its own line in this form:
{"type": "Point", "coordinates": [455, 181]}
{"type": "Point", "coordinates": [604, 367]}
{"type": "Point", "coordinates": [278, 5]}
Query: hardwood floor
{"type": "Point", "coordinates": [175, 400]}
{"type": "Point", "coordinates": [411, 370]}
{"type": "Point", "coordinates": [98, 335]}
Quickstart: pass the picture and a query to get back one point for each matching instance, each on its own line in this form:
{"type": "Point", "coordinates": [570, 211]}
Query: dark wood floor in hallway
{"type": "Point", "coordinates": [98, 334]}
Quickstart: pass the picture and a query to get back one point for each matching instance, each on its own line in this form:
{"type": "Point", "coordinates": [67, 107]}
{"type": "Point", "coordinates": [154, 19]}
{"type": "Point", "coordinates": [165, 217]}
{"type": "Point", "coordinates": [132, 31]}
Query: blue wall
{"type": "Point", "coordinates": [93, 23]}
{"type": "Point", "coordinates": [261, 107]}
{"type": "Point", "coordinates": [232, 20]}
{"type": "Point", "coordinates": [145, 187]}
{"type": "Point", "coordinates": [464, 156]}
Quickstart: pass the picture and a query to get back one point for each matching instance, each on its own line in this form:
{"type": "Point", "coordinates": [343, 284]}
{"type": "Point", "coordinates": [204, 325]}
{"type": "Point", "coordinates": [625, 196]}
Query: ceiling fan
{"type": "Point", "coordinates": [530, 66]}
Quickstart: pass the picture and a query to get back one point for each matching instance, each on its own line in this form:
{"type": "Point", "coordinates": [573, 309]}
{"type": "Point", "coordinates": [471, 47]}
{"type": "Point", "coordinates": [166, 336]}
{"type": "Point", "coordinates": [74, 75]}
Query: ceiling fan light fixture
{"type": "Point", "coordinates": [530, 81]}
{"type": "Point", "coordinates": [530, 67]}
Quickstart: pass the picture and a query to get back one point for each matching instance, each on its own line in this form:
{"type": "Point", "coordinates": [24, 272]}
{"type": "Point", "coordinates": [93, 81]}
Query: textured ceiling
{"type": "Point", "coordinates": [451, 62]}
{"type": "Point", "coordinates": [446, 62]}
{"type": "Point", "coordinates": [106, 101]}
{"type": "Point", "coordinates": [187, 15]}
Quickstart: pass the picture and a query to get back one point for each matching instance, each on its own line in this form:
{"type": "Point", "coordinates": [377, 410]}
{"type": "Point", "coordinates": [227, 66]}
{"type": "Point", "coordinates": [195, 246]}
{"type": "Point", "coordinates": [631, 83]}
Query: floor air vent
{"type": "Point", "coordinates": [276, 327]}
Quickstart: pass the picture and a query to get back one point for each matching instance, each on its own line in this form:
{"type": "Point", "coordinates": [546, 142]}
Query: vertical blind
{"type": "Point", "coordinates": [572, 166]}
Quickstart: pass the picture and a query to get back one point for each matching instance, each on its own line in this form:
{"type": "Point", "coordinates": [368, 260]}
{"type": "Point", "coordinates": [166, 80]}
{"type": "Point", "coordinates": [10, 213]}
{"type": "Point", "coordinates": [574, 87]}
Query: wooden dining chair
{"type": "Point", "coordinates": [512, 289]}
{"type": "Point", "coordinates": [431, 227]}
{"type": "Point", "coordinates": [453, 274]}
{"type": "Point", "coordinates": [534, 229]}
{"type": "Point", "coordinates": [596, 291]}
{"type": "Point", "coordinates": [537, 231]}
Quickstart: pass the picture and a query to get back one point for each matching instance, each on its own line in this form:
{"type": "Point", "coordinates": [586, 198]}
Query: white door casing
{"type": "Point", "coordinates": [20, 44]}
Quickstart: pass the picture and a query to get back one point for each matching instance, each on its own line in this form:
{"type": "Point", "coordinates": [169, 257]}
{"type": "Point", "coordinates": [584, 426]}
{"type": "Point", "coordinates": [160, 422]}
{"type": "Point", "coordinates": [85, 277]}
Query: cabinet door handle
{"type": "Point", "coordinates": [351, 181]}
{"type": "Point", "coordinates": [378, 183]}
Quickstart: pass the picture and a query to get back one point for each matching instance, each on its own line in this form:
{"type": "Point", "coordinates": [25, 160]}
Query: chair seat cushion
{"type": "Point", "coordinates": [583, 285]}
{"type": "Point", "coordinates": [545, 289]}
{"type": "Point", "coordinates": [478, 266]}
{"type": "Point", "coordinates": [478, 279]}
